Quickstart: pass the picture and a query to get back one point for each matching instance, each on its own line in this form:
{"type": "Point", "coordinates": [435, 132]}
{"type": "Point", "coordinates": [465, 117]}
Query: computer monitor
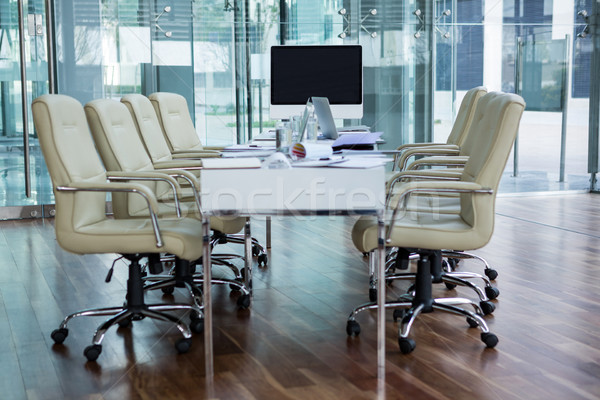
{"type": "Point", "coordinates": [332, 71]}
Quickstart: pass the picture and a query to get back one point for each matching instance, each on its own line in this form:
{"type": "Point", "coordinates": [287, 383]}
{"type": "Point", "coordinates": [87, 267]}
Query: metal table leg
{"type": "Point", "coordinates": [248, 256]}
{"type": "Point", "coordinates": [268, 228]}
{"type": "Point", "coordinates": [208, 329]}
{"type": "Point", "coordinates": [380, 297]}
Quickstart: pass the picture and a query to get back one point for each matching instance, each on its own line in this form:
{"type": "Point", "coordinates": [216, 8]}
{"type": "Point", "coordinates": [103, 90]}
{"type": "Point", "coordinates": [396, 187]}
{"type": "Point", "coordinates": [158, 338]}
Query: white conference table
{"type": "Point", "coordinates": [291, 192]}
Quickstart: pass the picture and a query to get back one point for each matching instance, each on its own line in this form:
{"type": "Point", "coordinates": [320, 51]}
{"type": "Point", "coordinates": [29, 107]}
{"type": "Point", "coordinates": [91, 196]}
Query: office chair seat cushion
{"type": "Point", "coordinates": [422, 231]}
{"type": "Point", "coordinates": [182, 237]}
{"type": "Point", "coordinates": [227, 225]}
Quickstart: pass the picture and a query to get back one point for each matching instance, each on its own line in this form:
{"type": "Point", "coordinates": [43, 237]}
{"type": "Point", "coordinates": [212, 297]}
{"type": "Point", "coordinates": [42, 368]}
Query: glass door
{"type": "Point", "coordinates": [25, 186]}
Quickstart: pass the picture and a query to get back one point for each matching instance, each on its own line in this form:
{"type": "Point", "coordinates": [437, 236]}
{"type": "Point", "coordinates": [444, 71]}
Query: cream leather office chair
{"type": "Point", "coordinates": [456, 139]}
{"type": "Point", "coordinates": [121, 149]}
{"type": "Point", "coordinates": [177, 125]}
{"type": "Point", "coordinates": [155, 142]}
{"type": "Point", "coordinates": [453, 155]}
{"type": "Point", "coordinates": [80, 185]}
{"type": "Point", "coordinates": [496, 122]}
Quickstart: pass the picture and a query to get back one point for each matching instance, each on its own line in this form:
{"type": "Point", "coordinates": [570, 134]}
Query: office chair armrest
{"type": "Point", "coordinates": [445, 187]}
{"type": "Point", "coordinates": [451, 174]}
{"type": "Point", "coordinates": [179, 164]}
{"type": "Point", "coordinates": [192, 156]}
{"type": "Point", "coordinates": [214, 148]}
{"type": "Point", "coordinates": [193, 181]}
{"type": "Point", "coordinates": [184, 174]}
{"type": "Point", "coordinates": [402, 160]}
{"type": "Point", "coordinates": [438, 161]}
{"type": "Point", "coordinates": [111, 187]}
{"type": "Point", "coordinates": [409, 146]}
{"type": "Point", "coordinates": [196, 153]}
{"type": "Point", "coordinates": [149, 176]}
{"type": "Point", "coordinates": [401, 194]}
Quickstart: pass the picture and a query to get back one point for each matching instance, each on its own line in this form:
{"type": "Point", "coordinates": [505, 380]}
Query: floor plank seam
{"type": "Point", "coordinates": [548, 225]}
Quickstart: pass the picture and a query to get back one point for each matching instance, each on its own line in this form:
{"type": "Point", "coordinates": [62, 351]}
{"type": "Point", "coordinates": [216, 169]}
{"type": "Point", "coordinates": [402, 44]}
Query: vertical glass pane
{"type": "Point", "coordinates": [126, 46]}
{"type": "Point", "coordinates": [482, 50]}
{"type": "Point", "coordinates": [394, 57]}
{"type": "Point", "coordinates": [80, 47]}
{"type": "Point", "coordinates": [214, 49]}
{"type": "Point", "coordinates": [12, 161]}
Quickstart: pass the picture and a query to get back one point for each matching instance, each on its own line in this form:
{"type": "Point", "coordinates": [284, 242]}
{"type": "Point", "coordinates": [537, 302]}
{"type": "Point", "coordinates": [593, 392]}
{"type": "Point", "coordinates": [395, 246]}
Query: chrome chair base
{"type": "Point", "coordinates": [399, 259]}
{"type": "Point", "coordinates": [134, 309]}
{"type": "Point", "coordinates": [257, 249]}
{"type": "Point", "coordinates": [187, 278]}
{"type": "Point", "coordinates": [420, 300]}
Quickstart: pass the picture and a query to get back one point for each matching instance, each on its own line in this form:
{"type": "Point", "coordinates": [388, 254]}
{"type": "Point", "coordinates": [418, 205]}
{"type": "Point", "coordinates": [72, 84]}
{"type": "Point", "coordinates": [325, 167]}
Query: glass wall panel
{"type": "Point", "coordinates": [218, 45]}
{"type": "Point", "coordinates": [217, 55]}
{"type": "Point", "coordinates": [13, 154]}
{"type": "Point", "coordinates": [482, 49]}
{"type": "Point", "coordinates": [396, 59]}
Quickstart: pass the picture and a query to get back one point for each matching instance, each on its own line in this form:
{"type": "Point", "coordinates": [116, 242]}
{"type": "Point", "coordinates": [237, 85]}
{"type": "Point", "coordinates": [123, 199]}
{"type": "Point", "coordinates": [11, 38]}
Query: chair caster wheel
{"type": "Point", "coordinates": [489, 339]}
{"type": "Point", "coordinates": [491, 292]}
{"type": "Point", "coordinates": [168, 290]}
{"type": "Point", "coordinates": [453, 263]}
{"type": "Point", "coordinates": [398, 314]}
{"type": "Point", "coordinates": [92, 352]}
{"type": "Point", "coordinates": [353, 328]}
{"type": "Point", "coordinates": [449, 285]}
{"type": "Point", "coordinates": [124, 323]}
{"type": "Point", "coordinates": [373, 294]}
{"type": "Point", "coordinates": [472, 322]}
{"type": "Point", "coordinates": [243, 301]}
{"type": "Point", "coordinates": [183, 345]}
{"type": "Point", "coordinates": [262, 259]}
{"type": "Point", "coordinates": [491, 273]}
{"type": "Point", "coordinates": [59, 335]}
{"type": "Point", "coordinates": [196, 324]}
{"type": "Point", "coordinates": [256, 250]}
{"type": "Point", "coordinates": [487, 307]}
{"type": "Point", "coordinates": [406, 345]}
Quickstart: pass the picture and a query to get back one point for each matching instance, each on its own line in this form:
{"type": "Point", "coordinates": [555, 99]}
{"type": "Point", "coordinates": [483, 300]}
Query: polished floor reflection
{"type": "Point", "coordinates": [292, 344]}
{"type": "Point", "coordinates": [12, 174]}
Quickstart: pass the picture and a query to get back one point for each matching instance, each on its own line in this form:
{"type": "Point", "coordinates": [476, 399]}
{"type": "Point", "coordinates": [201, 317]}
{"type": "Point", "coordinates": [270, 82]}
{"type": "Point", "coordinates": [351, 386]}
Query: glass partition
{"type": "Point", "coordinates": [396, 59]}
{"type": "Point", "coordinates": [22, 51]}
{"type": "Point", "coordinates": [477, 43]}
{"type": "Point", "coordinates": [420, 57]}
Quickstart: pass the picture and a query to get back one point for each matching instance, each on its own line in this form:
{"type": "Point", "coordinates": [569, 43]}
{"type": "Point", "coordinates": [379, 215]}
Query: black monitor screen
{"type": "Point", "coordinates": [300, 72]}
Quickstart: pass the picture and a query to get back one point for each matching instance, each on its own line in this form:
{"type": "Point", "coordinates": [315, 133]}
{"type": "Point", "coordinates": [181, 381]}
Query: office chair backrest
{"type": "Point", "coordinates": [176, 122]}
{"type": "Point", "coordinates": [70, 155]}
{"type": "Point", "coordinates": [495, 126]}
{"type": "Point", "coordinates": [148, 126]}
{"type": "Point", "coordinates": [121, 149]}
{"type": "Point", "coordinates": [464, 117]}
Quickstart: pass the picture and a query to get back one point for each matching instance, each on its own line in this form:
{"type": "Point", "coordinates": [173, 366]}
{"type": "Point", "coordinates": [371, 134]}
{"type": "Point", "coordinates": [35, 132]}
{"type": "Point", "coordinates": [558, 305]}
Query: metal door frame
{"type": "Point", "coordinates": [38, 210]}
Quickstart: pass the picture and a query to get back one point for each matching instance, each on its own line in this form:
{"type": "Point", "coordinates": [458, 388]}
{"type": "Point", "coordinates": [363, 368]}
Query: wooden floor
{"type": "Point", "coordinates": [292, 344]}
